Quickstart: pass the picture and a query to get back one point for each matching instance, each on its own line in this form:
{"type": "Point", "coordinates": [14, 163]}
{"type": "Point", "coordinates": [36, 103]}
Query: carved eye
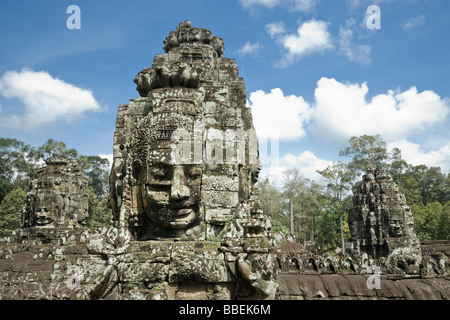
{"type": "Point", "coordinates": [158, 173]}
{"type": "Point", "coordinates": [161, 173]}
{"type": "Point", "coordinates": [195, 172]}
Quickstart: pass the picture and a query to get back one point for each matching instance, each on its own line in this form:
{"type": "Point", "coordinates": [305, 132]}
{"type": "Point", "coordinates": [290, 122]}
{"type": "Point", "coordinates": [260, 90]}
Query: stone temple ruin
{"type": "Point", "coordinates": [185, 220]}
{"type": "Point", "coordinates": [381, 223]}
{"type": "Point", "coordinates": [57, 201]}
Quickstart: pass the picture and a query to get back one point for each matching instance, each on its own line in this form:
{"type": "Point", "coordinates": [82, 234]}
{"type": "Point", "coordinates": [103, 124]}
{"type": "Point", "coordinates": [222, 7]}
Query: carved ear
{"type": "Point", "coordinates": [136, 168]}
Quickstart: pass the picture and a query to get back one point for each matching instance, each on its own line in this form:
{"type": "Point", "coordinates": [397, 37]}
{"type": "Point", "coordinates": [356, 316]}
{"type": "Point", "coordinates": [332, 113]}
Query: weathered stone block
{"type": "Point", "coordinates": [337, 286]}
{"type": "Point", "coordinates": [312, 287]}
{"type": "Point", "coordinates": [358, 283]}
{"type": "Point", "coordinates": [216, 199]}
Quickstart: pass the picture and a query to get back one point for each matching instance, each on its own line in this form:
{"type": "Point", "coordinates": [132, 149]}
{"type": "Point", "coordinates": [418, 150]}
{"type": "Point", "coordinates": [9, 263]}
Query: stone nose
{"type": "Point", "coordinates": [179, 190]}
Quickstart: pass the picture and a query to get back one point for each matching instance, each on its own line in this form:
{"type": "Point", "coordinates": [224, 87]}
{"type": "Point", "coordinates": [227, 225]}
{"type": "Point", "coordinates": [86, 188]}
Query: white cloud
{"type": "Point", "coordinates": [413, 22]}
{"type": "Point", "coordinates": [413, 154]}
{"type": "Point", "coordinates": [46, 99]}
{"type": "Point", "coordinates": [265, 3]}
{"type": "Point", "coordinates": [304, 5]}
{"type": "Point", "coordinates": [354, 52]}
{"type": "Point", "coordinates": [359, 3]}
{"type": "Point", "coordinates": [311, 37]}
{"type": "Point", "coordinates": [249, 48]}
{"type": "Point", "coordinates": [109, 157]}
{"type": "Point", "coordinates": [275, 28]}
{"type": "Point", "coordinates": [341, 111]}
{"type": "Point", "coordinates": [307, 163]}
{"type": "Point", "coordinates": [353, 3]}
{"type": "Point", "coordinates": [295, 5]}
{"type": "Point", "coordinates": [276, 116]}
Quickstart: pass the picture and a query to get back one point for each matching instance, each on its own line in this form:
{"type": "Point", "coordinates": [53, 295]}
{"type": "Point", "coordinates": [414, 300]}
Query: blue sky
{"type": "Point", "coordinates": [315, 73]}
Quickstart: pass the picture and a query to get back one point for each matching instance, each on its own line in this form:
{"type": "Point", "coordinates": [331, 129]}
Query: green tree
{"type": "Point", "coordinates": [96, 171]}
{"type": "Point", "coordinates": [271, 201]}
{"type": "Point", "coordinates": [446, 197]}
{"type": "Point", "coordinates": [5, 187]}
{"type": "Point", "coordinates": [11, 211]}
{"type": "Point", "coordinates": [430, 183]}
{"type": "Point", "coordinates": [409, 186]}
{"type": "Point", "coordinates": [17, 165]}
{"type": "Point", "coordinates": [98, 211]}
{"type": "Point", "coordinates": [327, 228]}
{"type": "Point", "coordinates": [428, 221]}
{"type": "Point", "coordinates": [397, 165]}
{"type": "Point", "coordinates": [338, 184]}
{"type": "Point", "coordinates": [365, 151]}
{"type": "Point", "coordinates": [52, 147]}
{"type": "Point", "coordinates": [444, 223]}
{"type": "Point", "coordinates": [301, 203]}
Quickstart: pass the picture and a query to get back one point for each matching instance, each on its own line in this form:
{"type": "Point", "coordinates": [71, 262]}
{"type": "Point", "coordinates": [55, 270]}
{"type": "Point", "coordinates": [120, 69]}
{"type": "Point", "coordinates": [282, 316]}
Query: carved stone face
{"type": "Point", "coordinates": [172, 188]}
{"type": "Point", "coordinates": [173, 194]}
{"type": "Point", "coordinates": [395, 228]}
{"type": "Point", "coordinates": [43, 213]}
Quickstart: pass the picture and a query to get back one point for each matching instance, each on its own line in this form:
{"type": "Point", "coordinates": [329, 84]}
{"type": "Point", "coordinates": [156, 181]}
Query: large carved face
{"type": "Point", "coordinates": [44, 213]}
{"type": "Point", "coordinates": [395, 227]}
{"type": "Point", "coordinates": [173, 192]}
{"type": "Point", "coordinates": [172, 188]}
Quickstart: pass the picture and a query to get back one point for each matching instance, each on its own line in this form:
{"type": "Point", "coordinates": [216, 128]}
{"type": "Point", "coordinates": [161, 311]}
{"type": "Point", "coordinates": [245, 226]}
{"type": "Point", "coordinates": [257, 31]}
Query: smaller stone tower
{"type": "Point", "coordinates": [381, 223]}
{"type": "Point", "coordinates": [57, 200]}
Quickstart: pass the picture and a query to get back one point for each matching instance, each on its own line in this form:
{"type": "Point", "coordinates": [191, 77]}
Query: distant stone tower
{"type": "Point", "coordinates": [381, 223]}
{"type": "Point", "coordinates": [57, 200]}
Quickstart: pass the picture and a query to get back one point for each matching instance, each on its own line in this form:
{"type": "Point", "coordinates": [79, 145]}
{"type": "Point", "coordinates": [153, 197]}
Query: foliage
{"type": "Point", "coordinates": [99, 214]}
{"type": "Point", "coordinates": [365, 151]}
{"type": "Point", "coordinates": [316, 209]}
{"type": "Point", "coordinates": [52, 147]}
{"type": "Point", "coordinates": [273, 205]}
{"type": "Point", "coordinates": [327, 228]}
{"type": "Point", "coordinates": [96, 171]}
{"type": "Point", "coordinates": [444, 223]}
{"type": "Point", "coordinates": [432, 221]}
{"type": "Point", "coordinates": [11, 211]}
{"type": "Point", "coordinates": [17, 165]}
{"type": "Point", "coordinates": [5, 187]}
{"type": "Point", "coordinates": [301, 201]}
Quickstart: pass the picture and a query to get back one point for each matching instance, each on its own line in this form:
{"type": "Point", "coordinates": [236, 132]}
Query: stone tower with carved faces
{"type": "Point", "coordinates": [57, 200]}
{"type": "Point", "coordinates": [185, 152]}
{"type": "Point", "coordinates": [381, 223]}
{"type": "Point", "coordinates": [185, 164]}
